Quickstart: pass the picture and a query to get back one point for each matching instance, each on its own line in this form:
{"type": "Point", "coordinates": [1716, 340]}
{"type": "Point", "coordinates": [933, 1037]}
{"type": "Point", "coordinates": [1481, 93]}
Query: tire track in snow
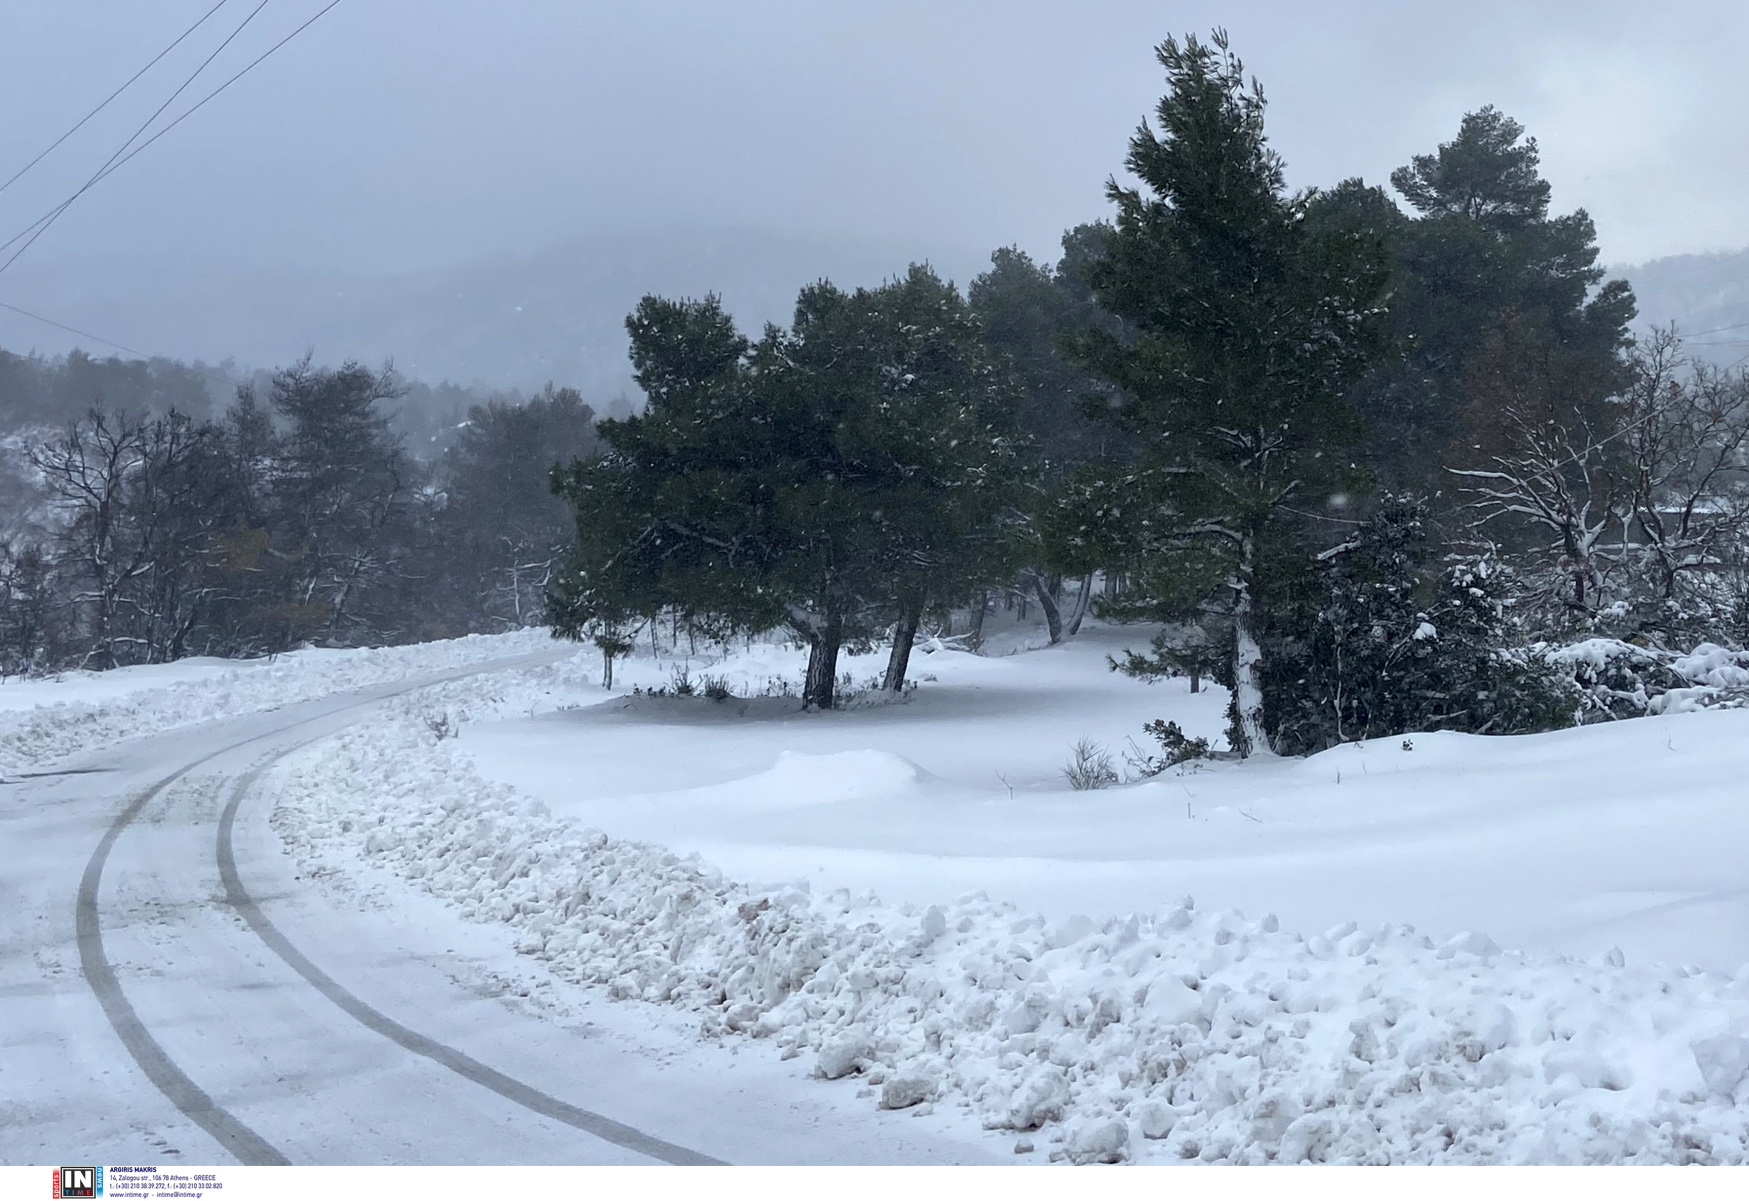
{"type": "Point", "coordinates": [463, 1065]}
{"type": "Point", "coordinates": [180, 1089]}
{"type": "Point", "coordinates": [176, 1084]}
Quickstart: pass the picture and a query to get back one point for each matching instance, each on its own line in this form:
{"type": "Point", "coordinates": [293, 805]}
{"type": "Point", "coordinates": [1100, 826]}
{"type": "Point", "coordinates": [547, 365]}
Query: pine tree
{"type": "Point", "coordinates": [1481, 250]}
{"type": "Point", "coordinates": [833, 478]}
{"type": "Point", "coordinates": [1249, 322]}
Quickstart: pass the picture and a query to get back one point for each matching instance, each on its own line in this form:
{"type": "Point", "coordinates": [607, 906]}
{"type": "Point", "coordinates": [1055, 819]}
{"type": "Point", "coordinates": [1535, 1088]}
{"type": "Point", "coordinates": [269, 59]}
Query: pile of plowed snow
{"type": "Point", "coordinates": [1177, 1035]}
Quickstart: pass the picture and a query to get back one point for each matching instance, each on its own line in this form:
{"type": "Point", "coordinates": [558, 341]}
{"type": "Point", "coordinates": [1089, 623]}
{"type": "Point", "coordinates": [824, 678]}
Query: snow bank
{"type": "Point", "coordinates": [1172, 1035]}
{"type": "Point", "coordinates": [45, 732]}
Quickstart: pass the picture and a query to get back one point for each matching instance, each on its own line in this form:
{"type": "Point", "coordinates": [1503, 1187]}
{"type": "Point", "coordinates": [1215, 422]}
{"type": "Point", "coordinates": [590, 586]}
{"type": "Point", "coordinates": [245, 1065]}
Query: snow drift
{"type": "Point", "coordinates": [1177, 1035]}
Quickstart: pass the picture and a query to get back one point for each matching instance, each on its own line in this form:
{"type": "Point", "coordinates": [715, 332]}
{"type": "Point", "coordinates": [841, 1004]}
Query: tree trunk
{"type": "Point", "coordinates": [606, 668]}
{"type": "Point", "coordinates": [1053, 617]}
{"type": "Point", "coordinates": [904, 636]}
{"type": "Point", "coordinates": [975, 638]}
{"type": "Point", "coordinates": [1083, 598]}
{"type": "Point", "coordinates": [1248, 660]}
{"type": "Point", "coordinates": [819, 689]}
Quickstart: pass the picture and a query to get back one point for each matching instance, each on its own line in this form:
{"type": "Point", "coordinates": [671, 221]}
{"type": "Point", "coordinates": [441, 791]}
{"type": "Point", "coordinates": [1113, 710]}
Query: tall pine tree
{"type": "Point", "coordinates": [1249, 323]}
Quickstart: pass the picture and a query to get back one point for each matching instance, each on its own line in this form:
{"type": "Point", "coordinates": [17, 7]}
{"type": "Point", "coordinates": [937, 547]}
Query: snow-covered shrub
{"type": "Point", "coordinates": [1621, 680]}
{"type": "Point", "coordinates": [1616, 679]}
{"type": "Point", "coordinates": [1381, 642]}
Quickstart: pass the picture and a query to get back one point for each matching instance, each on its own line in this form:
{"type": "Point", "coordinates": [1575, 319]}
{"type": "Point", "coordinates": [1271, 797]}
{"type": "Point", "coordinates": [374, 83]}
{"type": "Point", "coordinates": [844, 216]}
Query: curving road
{"type": "Point", "coordinates": [172, 989]}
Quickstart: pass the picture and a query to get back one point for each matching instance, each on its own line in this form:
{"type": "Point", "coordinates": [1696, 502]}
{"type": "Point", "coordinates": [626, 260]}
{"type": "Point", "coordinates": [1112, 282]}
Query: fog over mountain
{"type": "Point", "coordinates": [504, 322]}
{"type": "Point", "coordinates": [1706, 296]}
{"type": "Point", "coordinates": [559, 315]}
{"type": "Point", "coordinates": [483, 191]}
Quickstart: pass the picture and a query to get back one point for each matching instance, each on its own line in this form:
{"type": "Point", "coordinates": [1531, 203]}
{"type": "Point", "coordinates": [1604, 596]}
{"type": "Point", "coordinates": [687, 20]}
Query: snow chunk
{"type": "Point", "coordinates": [1098, 1142]}
{"type": "Point", "coordinates": [842, 1056]}
{"type": "Point", "coordinates": [1723, 1061]}
{"type": "Point", "coordinates": [1042, 1097]}
{"type": "Point", "coordinates": [1468, 944]}
{"type": "Point", "coordinates": [906, 1089]}
{"type": "Point", "coordinates": [1156, 1118]}
{"type": "Point", "coordinates": [1171, 1003]}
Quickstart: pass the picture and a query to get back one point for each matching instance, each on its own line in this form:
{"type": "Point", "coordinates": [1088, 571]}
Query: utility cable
{"type": "Point", "coordinates": [81, 333]}
{"type": "Point", "coordinates": [105, 104]}
{"type": "Point", "coordinates": [115, 165]}
{"type": "Point", "coordinates": [45, 223]}
{"type": "Point", "coordinates": [111, 170]}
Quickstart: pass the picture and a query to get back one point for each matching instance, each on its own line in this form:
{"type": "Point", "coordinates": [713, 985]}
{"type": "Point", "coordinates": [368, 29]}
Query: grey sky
{"type": "Point", "coordinates": [399, 134]}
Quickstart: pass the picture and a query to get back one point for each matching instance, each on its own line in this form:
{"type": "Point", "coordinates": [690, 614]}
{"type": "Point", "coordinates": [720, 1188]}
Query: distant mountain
{"type": "Point", "coordinates": [515, 323]}
{"type": "Point", "coordinates": [506, 323]}
{"type": "Point", "coordinates": [1705, 295]}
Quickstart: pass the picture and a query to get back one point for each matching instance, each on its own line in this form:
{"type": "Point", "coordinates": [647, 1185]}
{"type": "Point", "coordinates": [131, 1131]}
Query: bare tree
{"type": "Point", "coordinates": [140, 501]}
{"type": "Point", "coordinates": [1685, 433]}
{"type": "Point", "coordinates": [87, 469]}
{"type": "Point", "coordinates": [1544, 431]}
{"type": "Point", "coordinates": [1635, 509]}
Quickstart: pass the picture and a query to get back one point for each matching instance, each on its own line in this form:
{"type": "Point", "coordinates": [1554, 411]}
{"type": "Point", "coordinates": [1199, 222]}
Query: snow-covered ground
{"type": "Point", "coordinates": [1628, 835]}
{"type": "Point", "coordinates": [942, 919]}
{"type": "Point", "coordinates": [901, 909]}
{"type": "Point", "coordinates": [50, 718]}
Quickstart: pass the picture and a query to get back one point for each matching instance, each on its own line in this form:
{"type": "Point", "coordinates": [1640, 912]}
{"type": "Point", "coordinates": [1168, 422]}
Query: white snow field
{"type": "Point", "coordinates": [1033, 964]}
{"type": "Point", "coordinates": [632, 927]}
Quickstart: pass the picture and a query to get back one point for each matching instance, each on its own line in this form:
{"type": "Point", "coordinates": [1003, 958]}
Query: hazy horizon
{"type": "Point", "coordinates": [401, 146]}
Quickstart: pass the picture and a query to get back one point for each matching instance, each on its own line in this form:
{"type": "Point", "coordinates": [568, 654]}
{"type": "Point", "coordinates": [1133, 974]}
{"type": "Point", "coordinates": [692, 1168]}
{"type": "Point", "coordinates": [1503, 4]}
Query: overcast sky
{"type": "Point", "coordinates": [399, 134]}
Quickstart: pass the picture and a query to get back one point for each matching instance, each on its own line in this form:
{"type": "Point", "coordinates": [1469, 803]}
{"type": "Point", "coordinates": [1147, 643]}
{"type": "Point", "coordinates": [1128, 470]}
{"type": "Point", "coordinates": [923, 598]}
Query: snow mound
{"type": "Point", "coordinates": [799, 779]}
{"type": "Point", "coordinates": [1177, 1034]}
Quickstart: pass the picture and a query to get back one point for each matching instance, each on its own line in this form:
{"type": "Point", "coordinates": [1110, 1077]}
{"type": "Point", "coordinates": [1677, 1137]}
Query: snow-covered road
{"type": "Point", "coordinates": [172, 989]}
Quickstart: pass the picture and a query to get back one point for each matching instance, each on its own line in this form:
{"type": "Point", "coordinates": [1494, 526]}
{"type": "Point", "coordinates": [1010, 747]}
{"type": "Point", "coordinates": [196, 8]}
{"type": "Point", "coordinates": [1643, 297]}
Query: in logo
{"type": "Point", "coordinates": [79, 1182]}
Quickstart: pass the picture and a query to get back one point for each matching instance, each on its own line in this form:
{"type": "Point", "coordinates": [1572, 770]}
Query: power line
{"type": "Point", "coordinates": [105, 104]}
{"type": "Point", "coordinates": [59, 325]}
{"type": "Point", "coordinates": [44, 225]}
{"type": "Point", "coordinates": [111, 170]}
{"type": "Point", "coordinates": [210, 95]}
{"type": "Point", "coordinates": [1701, 333]}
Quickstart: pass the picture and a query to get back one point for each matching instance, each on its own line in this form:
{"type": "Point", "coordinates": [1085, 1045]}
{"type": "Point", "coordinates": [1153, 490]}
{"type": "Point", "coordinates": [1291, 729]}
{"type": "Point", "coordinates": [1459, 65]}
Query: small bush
{"type": "Point", "coordinates": [1175, 745]}
{"type": "Point", "coordinates": [716, 687]}
{"type": "Point", "coordinates": [1090, 767]}
{"type": "Point", "coordinates": [682, 682]}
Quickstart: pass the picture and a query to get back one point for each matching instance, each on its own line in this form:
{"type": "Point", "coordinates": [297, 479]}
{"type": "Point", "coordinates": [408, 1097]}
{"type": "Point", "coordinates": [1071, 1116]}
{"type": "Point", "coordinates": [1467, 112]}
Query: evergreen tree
{"type": "Point", "coordinates": [1249, 322]}
{"type": "Point", "coordinates": [342, 491]}
{"type": "Point", "coordinates": [1482, 249]}
{"type": "Point", "coordinates": [945, 504]}
{"type": "Point", "coordinates": [1028, 312]}
{"type": "Point", "coordinates": [501, 529]}
{"type": "Point", "coordinates": [835, 477]}
{"type": "Point", "coordinates": [671, 515]}
{"type": "Point", "coordinates": [1384, 643]}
